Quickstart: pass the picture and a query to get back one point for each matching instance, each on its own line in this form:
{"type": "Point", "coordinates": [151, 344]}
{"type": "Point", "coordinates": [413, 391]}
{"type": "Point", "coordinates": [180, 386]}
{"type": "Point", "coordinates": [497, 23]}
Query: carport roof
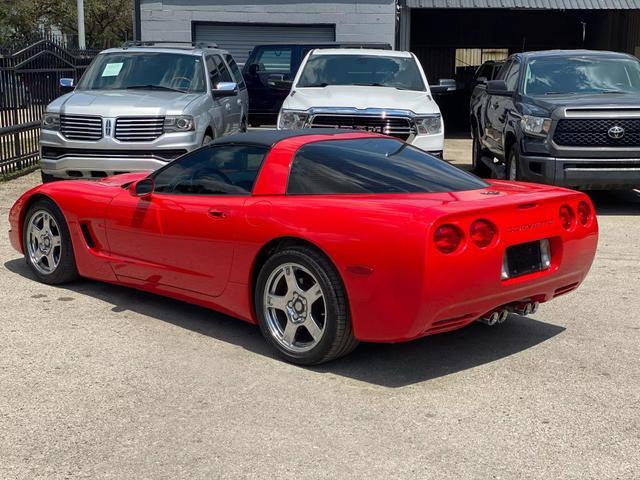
{"type": "Point", "coordinates": [529, 4]}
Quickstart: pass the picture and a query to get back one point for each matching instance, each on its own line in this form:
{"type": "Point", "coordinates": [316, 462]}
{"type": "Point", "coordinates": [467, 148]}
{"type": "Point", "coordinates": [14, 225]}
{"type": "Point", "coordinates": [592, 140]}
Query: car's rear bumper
{"type": "Point", "coordinates": [585, 173]}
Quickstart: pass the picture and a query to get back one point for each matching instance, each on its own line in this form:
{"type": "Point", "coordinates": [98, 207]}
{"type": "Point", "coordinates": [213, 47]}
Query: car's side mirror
{"type": "Point", "coordinates": [444, 85]}
{"type": "Point", "coordinates": [254, 68]}
{"type": "Point", "coordinates": [66, 85]}
{"type": "Point", "coordinates": [142, 188]}
{"type": "Point", "coordinates": [497, 87]}
{"type": "Point", "coordinates": [278, 82]}
{"type": "Point", "coordinates": [225, 89]}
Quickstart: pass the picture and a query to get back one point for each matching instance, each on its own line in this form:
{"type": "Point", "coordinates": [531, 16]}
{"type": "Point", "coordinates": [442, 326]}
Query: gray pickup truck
{"type": "Point", "coordinates": [568, 118]}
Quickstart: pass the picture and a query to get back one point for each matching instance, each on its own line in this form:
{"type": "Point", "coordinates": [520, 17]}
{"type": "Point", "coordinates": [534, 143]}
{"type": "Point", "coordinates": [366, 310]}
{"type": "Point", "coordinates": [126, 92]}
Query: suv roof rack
{"type": "Point", "coordinates": [153, 43]}
{"type": "Point", "coordinates": [371, 45]}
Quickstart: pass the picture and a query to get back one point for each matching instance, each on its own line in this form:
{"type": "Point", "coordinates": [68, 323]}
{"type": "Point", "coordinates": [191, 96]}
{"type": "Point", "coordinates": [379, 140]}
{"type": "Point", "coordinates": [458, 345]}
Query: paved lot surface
{"type": "Point", "coordinates": [97, 381]}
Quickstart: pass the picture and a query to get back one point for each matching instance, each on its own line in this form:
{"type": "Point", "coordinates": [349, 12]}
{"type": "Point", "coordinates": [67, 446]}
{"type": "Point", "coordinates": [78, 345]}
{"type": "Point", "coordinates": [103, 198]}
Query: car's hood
{"type": "Point", "coordinates": [360, 98]}
{"type": "Point", "coordinates": [585, 100]}
{"type": "Point", "coordinates": [114, 103]}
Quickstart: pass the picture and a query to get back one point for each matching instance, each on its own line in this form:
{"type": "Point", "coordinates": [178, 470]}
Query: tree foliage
{"type": "Point", "coordinates": [107, 22]}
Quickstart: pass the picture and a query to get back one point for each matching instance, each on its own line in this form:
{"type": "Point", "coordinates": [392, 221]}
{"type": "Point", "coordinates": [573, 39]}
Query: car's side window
{"type": "Point", "coordinates": [275, 60]}
{"type": "Point", "coordinates": [502, 74]}
{"type": "Point", "coordinates": [512, 76]}
{"type": "Point", "coordinates": [225, 75]}
{"type": "Point", "coordinates": [213, 170]}
{"type": "Point", "coordinates": [214, 73]}
{"type": "Point", "coordinates": [235, 70]}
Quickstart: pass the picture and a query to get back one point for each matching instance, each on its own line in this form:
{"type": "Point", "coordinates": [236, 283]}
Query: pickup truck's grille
{"type": "Point", "coordinates": [586, 132]}
{"type": "Point", "coordinates": [139, 129]}
{"type": "Point", "coordinates": [81, 127]}
{"type": "Point", "coordinates": [395, 126]}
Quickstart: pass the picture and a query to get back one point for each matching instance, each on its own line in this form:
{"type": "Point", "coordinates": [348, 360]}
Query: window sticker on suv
{"type": "Point", "coordinates": [112, 69]}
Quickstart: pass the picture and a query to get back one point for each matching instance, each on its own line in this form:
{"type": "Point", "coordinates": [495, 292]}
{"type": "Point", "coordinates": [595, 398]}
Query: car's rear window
{"type": "Point", "coordinates": [373, 165]}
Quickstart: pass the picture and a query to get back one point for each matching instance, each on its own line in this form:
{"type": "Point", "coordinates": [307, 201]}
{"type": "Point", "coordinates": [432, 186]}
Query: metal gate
{"type": "Point", "coordinates": [29, 80]}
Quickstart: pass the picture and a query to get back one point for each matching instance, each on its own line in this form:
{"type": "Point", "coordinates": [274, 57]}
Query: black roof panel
{"type": "Point", "coordinates": [269, 138]}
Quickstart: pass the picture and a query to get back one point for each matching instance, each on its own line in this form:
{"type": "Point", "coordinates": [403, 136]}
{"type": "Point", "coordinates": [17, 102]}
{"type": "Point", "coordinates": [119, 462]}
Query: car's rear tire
{"type": "Point", "coordinates": [479, 167]}
{"type": "Point", "coordinates": [207, 139]}
{"type": "Point", "coordinates": [513, 164]}
{"type": "Point", "coordinates": [302, 308]}
{"type": "Point", "coordinates": [47, 243]}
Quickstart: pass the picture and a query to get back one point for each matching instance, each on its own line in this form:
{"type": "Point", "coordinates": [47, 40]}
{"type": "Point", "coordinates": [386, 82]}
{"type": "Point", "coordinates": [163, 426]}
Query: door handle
{"type": "Point", "coordinates": [215, 213]}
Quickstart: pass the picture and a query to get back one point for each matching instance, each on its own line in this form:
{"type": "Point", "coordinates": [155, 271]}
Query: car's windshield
{"type": "Point", "coordinates": [370, 70]}
{"type": "Point", "coordinates": [373, 165]}
{"type": "Point", "coordinates": [145, 70]}
{"type": "Point", "coordinates": [561, 75]}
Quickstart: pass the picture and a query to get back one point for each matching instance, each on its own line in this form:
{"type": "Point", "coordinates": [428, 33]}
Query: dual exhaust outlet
{"type": "Point", "coordinates": [500, 315]}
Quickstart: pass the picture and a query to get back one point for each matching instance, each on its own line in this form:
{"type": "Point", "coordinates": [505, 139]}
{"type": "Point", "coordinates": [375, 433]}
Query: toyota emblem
{"type": "Point", "coordinates": [616, 132]}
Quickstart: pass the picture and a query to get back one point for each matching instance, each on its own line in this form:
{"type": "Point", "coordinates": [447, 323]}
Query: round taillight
{"type": "Point", "coordinates": [584, 213]}
{"type": "Point", "coordinates": [482, 233]}
{"type": "Point", "coordinates": [567, 217]}
{"type": "Point", "coordinates": [447, 238]}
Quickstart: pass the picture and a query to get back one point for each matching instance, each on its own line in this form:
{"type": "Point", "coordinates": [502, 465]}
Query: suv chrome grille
{"type": "Point", "coordinates": [399, 127]}
{"type": "Point", "coordinates": [139, 129]}
{"type": "Point", "coordinates": [81, 127]}
{"type": "Point", "coordinates": [587, 132]}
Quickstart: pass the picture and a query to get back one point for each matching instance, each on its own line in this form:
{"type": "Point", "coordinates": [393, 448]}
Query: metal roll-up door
{"type": "Point", "coordinates": [240, 38]}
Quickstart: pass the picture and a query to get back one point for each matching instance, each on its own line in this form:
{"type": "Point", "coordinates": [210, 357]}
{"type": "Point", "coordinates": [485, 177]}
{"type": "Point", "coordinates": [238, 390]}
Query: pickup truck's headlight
{"type": "Point", "coordinates": [50, 121]}
{"type": "Point", "coordinates": [292, 119]}
{"type": "Point", "coordinates": [179, 123]}
{"type": "Point", "coordinates": [537, 126]}
{"type": "Point", "coordinates": [429, 125]}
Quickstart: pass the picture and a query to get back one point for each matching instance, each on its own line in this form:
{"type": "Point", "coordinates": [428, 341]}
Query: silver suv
{"type": "Point", "coordinates": [140, 106]}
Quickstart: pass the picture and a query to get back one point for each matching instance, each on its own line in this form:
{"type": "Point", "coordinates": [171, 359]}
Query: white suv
{"type": "Point", "coordinates": [375, 90]}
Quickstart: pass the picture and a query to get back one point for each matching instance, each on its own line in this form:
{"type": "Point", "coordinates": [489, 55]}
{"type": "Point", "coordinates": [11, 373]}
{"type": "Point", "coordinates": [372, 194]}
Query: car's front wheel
{"type": "Point", "coordinates": [47, 243]}
{"type": "Point", "coordinates": [302, 307]}
{"type": "Point", "coordinates": [513, 164]}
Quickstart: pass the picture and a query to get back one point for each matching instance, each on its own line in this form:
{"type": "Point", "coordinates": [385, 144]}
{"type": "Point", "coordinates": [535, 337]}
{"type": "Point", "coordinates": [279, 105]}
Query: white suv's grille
{"type": "Point", "coordinates": [81, 127]}
{"type": "Point", "coordinates": [139, 129]}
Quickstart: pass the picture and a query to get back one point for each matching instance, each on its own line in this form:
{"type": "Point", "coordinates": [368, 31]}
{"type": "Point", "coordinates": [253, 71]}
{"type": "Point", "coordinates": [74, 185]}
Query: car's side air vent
{"type": "Point", "coordinates": [88, 237]}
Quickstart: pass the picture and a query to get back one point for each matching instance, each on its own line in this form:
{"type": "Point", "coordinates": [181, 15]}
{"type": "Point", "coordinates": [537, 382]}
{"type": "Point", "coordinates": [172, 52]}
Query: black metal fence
{"type": "Point", "coordinates": [29, 80]}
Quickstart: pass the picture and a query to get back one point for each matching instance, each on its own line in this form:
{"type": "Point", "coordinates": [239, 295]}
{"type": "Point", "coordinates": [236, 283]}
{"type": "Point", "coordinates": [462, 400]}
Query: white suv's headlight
{"type": "Point", "coordinates": [179, 123]}
{"type": "Point", "coordinates": [50, 121]}
{"type": "Point", "coordinates": [537, 126]}
{"type": "Point", "coordinates": [292, 119]}
{"type": "Point", "coordinates": [429, 125]}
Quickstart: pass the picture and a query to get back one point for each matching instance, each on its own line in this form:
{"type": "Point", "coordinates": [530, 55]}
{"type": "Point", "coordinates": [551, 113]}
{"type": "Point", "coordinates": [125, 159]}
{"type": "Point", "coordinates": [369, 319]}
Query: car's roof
{"type": "Point", "coordinates": [268, 138]}
{"type": "Point", "coordinates": [362, 51]}
{"type": "Point", "coordinates": [573, 53]}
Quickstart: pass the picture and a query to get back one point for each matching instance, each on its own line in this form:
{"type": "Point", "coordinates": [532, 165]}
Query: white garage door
{"type": "Point", "coordinates": [240, 38]}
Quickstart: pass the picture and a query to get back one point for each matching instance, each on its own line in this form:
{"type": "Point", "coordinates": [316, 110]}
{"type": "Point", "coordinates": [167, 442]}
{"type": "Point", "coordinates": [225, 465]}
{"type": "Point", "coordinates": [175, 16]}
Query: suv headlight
{"type": "Point", "coordinates": [429, 125]}
{"type": "Point", "coordinates": [292, 119]}
{"type": "Point", "coordinates": [536, 126]}
{"type": "Point", "coordinates": [179, 123]}
{"type": "Point", "coordinates": [50, 121]}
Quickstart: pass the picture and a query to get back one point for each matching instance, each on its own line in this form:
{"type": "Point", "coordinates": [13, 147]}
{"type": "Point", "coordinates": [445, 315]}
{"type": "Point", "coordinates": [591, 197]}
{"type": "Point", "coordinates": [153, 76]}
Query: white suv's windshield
{"type": "Point", "coordinates": [562, 75]}
{"type": "Point", "coordinates": [366, 70]}
{"type": "Point", "coordinates": [145, 70]}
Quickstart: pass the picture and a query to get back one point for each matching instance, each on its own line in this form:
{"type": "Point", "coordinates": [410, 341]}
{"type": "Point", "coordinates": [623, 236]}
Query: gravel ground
{"type": "Point", "coordinates": [97, 381]}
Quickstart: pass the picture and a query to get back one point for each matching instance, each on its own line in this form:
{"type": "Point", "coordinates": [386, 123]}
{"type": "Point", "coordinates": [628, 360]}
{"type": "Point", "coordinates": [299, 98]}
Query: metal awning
{"type": "Point", "coordinates": [529, 4]}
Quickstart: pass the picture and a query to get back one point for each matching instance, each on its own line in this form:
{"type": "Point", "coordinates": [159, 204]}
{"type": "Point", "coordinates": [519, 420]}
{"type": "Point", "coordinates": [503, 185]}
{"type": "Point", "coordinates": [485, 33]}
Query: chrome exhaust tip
{"type": "Point", "coordinates": [504, 315]}
{"type": "Point", "coordinates": [534, 307]}
{"type": "Point", "coordinates": [490, 319]}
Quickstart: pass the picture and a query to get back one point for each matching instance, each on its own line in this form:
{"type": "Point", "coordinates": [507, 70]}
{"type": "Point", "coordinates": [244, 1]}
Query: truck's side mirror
{"type": "Point", "coordinates": [142, 188]}
{"type": "Point", "coordinates": [444, 85]}
{"type": "Point", "coordinates": [497, 87]}
{"type": "Point", "coordinates": [225, 89]}
{"type": "Point", "coordinates": [254, 68]}
{"type": "Point", "coordinates": [66, 85]}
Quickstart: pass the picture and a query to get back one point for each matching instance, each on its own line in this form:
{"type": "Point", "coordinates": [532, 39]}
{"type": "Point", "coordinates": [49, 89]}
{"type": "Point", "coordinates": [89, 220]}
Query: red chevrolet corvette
{"type": "Point", "coordinates": [323, 238]}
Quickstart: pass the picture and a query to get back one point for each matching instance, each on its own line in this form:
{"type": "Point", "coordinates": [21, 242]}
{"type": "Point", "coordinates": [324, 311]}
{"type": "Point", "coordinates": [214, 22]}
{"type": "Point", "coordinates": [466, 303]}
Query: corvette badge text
{"type": "Point", "coordinates": [525, 227]}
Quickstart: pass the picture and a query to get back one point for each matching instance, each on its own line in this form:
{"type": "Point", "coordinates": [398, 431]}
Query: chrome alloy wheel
{"type": "Point", "coordinates": [44, 242]}
{"type": "Point", "coordinates": [294, 307]}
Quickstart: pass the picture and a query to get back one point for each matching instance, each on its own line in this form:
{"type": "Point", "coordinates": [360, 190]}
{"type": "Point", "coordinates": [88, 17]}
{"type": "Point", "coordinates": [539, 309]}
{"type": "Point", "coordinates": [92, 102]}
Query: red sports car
{"type": "Point", "coordinates": [323, 238]}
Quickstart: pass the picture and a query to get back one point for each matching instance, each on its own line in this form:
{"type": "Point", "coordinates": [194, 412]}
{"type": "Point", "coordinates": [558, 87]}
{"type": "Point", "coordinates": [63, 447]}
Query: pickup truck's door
{"type": "Point", "coordinates": [500, 106]}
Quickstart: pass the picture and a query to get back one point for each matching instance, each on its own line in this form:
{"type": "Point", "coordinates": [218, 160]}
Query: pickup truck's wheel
{"type": "Point", "coordinates": [207, 139]}
{"type": "Point", "coordinates": [302, 307]}
{"type": "Point", "coordinates": [513, 164]}
{"type": "Point", "coordinates": [47, 244]}
{"type": "Point", "coordinates": [479, 167]}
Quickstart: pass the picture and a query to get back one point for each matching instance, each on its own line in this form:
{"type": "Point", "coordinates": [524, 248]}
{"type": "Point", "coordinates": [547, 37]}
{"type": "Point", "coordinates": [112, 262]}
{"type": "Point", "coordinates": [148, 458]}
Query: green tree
{"type": "Point", "coordinates": [107, 22]}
